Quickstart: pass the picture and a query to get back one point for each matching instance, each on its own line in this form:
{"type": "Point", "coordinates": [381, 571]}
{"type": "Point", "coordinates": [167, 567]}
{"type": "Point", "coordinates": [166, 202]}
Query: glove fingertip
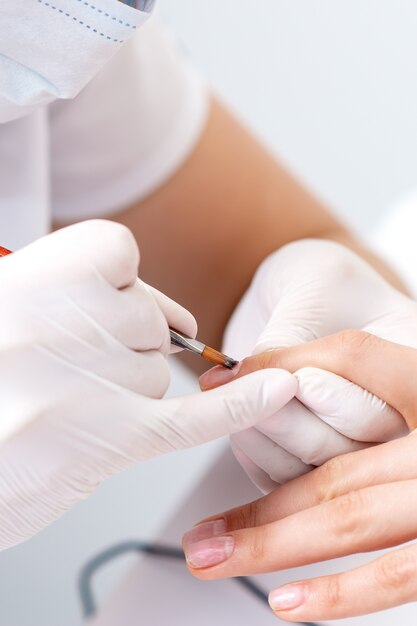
{"type": "Point", "coordinates": [256, 474]}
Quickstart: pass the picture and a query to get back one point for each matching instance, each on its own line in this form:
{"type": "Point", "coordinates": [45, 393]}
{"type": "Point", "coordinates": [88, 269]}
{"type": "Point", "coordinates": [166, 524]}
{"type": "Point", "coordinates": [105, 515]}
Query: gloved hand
{"type": "Point", "coordinates": [306, 290]}
{"type": "Point", "coordinates": [83, 347]}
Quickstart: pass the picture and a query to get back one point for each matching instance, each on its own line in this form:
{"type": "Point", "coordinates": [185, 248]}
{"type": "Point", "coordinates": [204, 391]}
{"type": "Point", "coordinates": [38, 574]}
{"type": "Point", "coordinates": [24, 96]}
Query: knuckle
{"type": "Point", "coordinates": [266, 360]}
{"type": "Point", "coordinates": [330, 595]}
{"type": "Point", "coordinates": [352, 342]}
{"type": "Point", "coordinates": [252, 514]}
{"type": "Point", "coordinates": [406, 404]}
{"type": "Point", "coordinates": [327, 479]}
{"type": "Point", "coordinates": [243, 517]}
{"type": "Point", "coordinates": [347, 515]}
{"type": "Point", "coordinates": [409, 412]}
{"type": "Point", "coordinates": [258, 544]}
{"type": "Point", "coordinates": [105, 236]}
{"type": "Point", "coordinates": [101, 228]}
{"type": "Point", "coordinates": [395, 571]}
{"type": "Point", "coordinates": [117, 249]}
{"type": "Point", "coordinates": [122, 241]}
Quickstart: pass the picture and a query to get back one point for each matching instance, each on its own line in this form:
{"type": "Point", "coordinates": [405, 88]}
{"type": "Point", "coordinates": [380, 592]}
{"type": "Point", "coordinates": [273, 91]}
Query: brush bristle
{"type": "Point", "coordinates": [4, 251]}
{"type": "Point", "coordinates": [218, 358]}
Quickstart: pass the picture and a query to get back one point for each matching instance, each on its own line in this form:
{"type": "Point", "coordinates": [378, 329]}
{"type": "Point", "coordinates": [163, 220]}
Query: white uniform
{"type": "Point", "coordinates": [115, 142]}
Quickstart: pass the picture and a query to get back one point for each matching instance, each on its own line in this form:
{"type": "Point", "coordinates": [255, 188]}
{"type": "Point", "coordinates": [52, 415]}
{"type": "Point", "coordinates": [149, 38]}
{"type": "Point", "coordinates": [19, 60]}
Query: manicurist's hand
{"type": "Point", "coordinates": [83, 368]}
{"type": "Point", "coordinates": [306, 290]}
{"type": "Point", "coordinates": [357, 502]}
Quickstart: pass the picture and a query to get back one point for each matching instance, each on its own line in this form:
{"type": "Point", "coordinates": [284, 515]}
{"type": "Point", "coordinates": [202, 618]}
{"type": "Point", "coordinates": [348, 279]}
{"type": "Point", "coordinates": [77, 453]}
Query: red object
{"type": "Point", "coordinates": [4, 251]}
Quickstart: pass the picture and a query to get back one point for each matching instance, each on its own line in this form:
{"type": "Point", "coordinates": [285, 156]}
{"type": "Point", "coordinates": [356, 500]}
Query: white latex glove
{"type": "Point", "coordinates": [83, 347]}
{"type": "Point", "coordinates": [306, 290]}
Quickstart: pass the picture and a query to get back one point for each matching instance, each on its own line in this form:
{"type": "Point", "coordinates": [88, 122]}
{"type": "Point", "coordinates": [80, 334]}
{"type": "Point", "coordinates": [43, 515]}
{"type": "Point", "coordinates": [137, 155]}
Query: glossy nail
{"type": "Point", "coordinates": [288, 597]}
{"type": "Point", "coordinates": [209, 552]}
{"type": "Point", "coordinates": [218, 375]}
{"type": "Point", "coordinates": [207, 530]}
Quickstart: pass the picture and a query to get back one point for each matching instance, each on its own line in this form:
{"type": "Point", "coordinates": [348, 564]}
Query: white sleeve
{"type": "Point", "coordinates": [128, 130]}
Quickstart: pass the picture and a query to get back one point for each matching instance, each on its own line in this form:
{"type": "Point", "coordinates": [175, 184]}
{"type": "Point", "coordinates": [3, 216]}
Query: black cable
{"type": "Point", "coordinates": [84, 581]}
{"type": "Point", "coordinates": [153, 549]}
{"type": "Point", "coordinates": [260, 593]}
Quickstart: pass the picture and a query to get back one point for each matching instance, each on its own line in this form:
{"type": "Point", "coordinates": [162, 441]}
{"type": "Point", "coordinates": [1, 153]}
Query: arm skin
{"type": "Point", "coordinates": [204, 232]}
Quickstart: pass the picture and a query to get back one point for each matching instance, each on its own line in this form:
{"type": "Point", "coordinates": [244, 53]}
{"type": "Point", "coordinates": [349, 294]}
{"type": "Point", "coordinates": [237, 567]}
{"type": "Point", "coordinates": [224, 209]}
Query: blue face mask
{"type": "Point", "coordinates": [51, 49]}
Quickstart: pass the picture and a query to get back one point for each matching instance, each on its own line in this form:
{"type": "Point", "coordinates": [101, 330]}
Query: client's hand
{"type": "Point", "coordinates": [307, 290]}
{"type": "Point", "coordinates": [358, 502]}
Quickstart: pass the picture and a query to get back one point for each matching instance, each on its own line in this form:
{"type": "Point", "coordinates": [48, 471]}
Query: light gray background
{"type": "Point", "coordinates": [331, 86]}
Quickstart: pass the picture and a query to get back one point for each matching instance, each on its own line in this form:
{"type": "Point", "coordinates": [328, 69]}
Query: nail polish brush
{"type": "Point", "coordinates": [181, 341]}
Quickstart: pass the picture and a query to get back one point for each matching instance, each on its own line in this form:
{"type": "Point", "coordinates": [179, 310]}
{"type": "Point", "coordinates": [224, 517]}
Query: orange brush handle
{"type": "Point", "coordinates": [4, 251]}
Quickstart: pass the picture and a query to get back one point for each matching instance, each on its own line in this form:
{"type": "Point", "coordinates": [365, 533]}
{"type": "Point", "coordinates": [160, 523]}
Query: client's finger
{"type": "Point", "coordinates": [340, 475]}
{"type": "Point", "coordinates": [219, 375]}
{"type": "Point", "coordinates": [381, 367]}
{"type": "Point", "coordinates": [384, 583]}
{"type": "Point", "coordinates": [359, 521]}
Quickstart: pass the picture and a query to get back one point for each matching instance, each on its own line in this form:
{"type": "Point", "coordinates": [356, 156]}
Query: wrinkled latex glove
{"type": "Point", "coordinates": [83, 368]}
{"type": "Point", "coordinates": [306, 290]}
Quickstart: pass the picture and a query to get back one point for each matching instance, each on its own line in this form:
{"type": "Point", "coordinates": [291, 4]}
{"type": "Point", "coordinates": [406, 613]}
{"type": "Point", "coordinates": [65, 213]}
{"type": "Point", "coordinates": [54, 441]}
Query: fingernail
{"type": "Point", "coordinates": [218, 375]}
{"type": "Point", "coordinates": [288, 597]}
{"type": "Point", "coordinates": [209, 552]}
{"type": "Point", "coordinates": [206, 530]}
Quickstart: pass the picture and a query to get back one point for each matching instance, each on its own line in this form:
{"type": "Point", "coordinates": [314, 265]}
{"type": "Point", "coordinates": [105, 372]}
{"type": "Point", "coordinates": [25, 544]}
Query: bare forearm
{"type": "Point", "coordinates": [203, 234]}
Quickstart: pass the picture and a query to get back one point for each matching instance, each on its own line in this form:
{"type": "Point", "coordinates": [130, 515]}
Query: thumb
{"type": "Point", "coordinates": [319, 288]}
{"type": "Point", "coordinates": [189, 421]}
{"type": "Point", "coordinates": [302, 313]}
{"type": "Point", "coordinates": [296, 285]}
